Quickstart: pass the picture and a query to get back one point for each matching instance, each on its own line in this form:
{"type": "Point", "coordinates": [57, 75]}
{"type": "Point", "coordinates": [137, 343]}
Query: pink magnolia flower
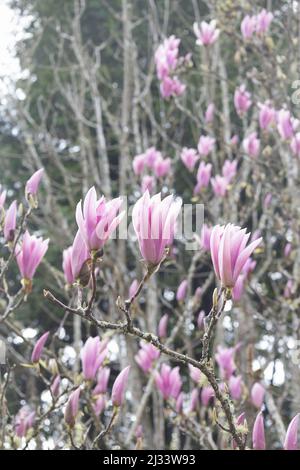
{"type": "Point", "coordinates": [102, 381]}
{"type": "Point", "coordinates": [119, 386]}
{"type": "Point", "coordinates": [207, 393]}
{"type": "Point", "coordinates": [229, 169]}
{"type": "Point", "coordinates": [209, 113]}
{"type": "Point", "coordinates": [99, 405]}
{"type": "Point", "coordinates": [285, 124]}
{"type": "Point", "coordinates": [242, 100]}
{"type": "Point", "coordinates": [139, 163]}
{"type": "Point", "coordinates": [258, 433]}
{"type": "Point", "coordinates": [154, 222]}
{"type": "Point", "coordinates": [10, 222]}
{"type": "Point", "coordinates": [194, 400]}
{"type": "Point", "coordinates": [203, 177]}
{"type": "Point", "coordinates": [182, 291]}
{"type": "Point", "coordinates": [229, 252]}
{"type": "Point", "coordinates": [263, 21]}
{"type": "Point", "coordinates": [205, 145]}
{"type": "Point", "coordinates": [179, 403]}
{"type": "Point", "coordinates": [225, 359]}
{"type": "Point", "coordinates": [171, 87]}
{"type": "Point", "coordinates": [291, 438]}
{"type": "Point", "coordinates": [289, 289]}
{"type": "Point", "coordinates": [24, 421]}
{"type": "Point", "coordinates": [257, 395]}
{"type": "Point", "coordinates": [295, 144]}
{"type": "Point", "coordinates": [166, 56]}
{"type": "Point", "coordinates": [234, 140]}
{"type": "Point", "coordinates": [251, 145]}
{"type": "Point", "coordinates": [55, 386]}
{"type": "Point", "coordinates": [205, 237]}
{"type": "Point", "coordinates": [267, 116]}
{"type": "Point", "coordinates": [97, 219]}
{"type": "Point", "coordinates": [33, 183]}
{"type": "Point", "coordinates": [2, 197]}
{"type": "Point", "coordinates": [162, 167]}
{"type": "Point", "coordinates": [92, 356]}
{"type": "Point", "coordinates": [162, 326]}
{"type": "Point", "coordinates": [152, 156]}
{"type": "Point", "coordinates": [201, 319]}
{"type": "Point", "coordinates": [74, 258]}
{"type": "Point", "coordinates": [195, 374]}
{"type": "Point", "coordinates": [248, 26]}
{"type": "Point", "coordinates": [219, 185]}
{"type": "Point", "coordinates": [168, 381]}
{"type": "Point", "coordinates": [250, 264]}
{"type": "Point", "coordinates": [146, 356]}
{"type": "Point", "coordinates": [189, 158]}
{"type": "Point", "coordinates": [72, 407]}
{"type": "Point", "coordinates": [240, 421]}
{"type": "Point", "coordinates": [206, 33]}
{"type": "Point", "coordinates": [29, 254]}
{"type": "Point", "coordinates": [235, 387]}
{"type": "Point", "coordinates": [287, 250]}
{"type": "Point", "coordinates": [133, 288]}
{"type": "Point", "coordinates": [38, 348]}
{"type": "Point", "coordinates": [148, 183]}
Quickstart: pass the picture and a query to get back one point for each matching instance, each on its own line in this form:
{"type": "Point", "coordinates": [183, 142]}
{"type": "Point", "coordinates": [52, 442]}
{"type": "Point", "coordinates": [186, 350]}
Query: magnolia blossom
{"type": "Point", "coordinates": [33, 183]}
{"type": "Point", "coordinates": [139, 163]}
{"type": "Point", "coordinates": [207, 393]}
{"type": "Point", "coordinates": [99, 405]}
{"type": "Point", "coordinates": [189, 158]}
{"type": "Point", "coordinates": [154, 222]}
{"type": "Point", "coordinates": [146, 356]}
{"type": "Point", "coordinates": [295, 144]}
{"type": "Point", "coordinates": [257, 395]}
{"type": "Point", "coordinates": [201, 320]}
{"type": "Point", "coordinates": [10, 222]}
{"type": "Point", "coordinates": [171, 87]}
{"type": "Point", "coordinates": [133, 288]}
{"type": "Point", "coordinates": [29, 254]}
{"type": "Point", "coordinates": [242, 100]}
{"type": "Point", "coordinates": [148, 183]}
{"type": "Point", "coordinates": [229, 169]}
{"type": "Point", "coordinates": [102, 381]}
{"type": "Point", "coordinates": [285, 124]}
{"type": "Point", "coordinates": [24, 421]}
{"type": "Point", "coordinates": [194, 402]}
{"type": "Point", "coordinates": [235, 387]}
{"type": "Point", "coordinates": [195, 374]}
{"type": "Point", "coordinates": [92, 356]}
{"type": "Point", "coordinates": [258, 433]}
{"type": "Point", "coordinates": [119, 386]}
{"type": "Point", "coordinates": [166, 56]}
{"type": "Point", "coordinates": [267, 116]}
{"type": "Point", "coordinates": [38, 348]}
{"type": "Point", "coordinates": [219, 185]}
{"type": "Point", "coordinates": [162, 167]}
{"type": "Point", "coordinates": [206, 33]}
{"type": "Point", "coordinates": [229, 252]}
{"type": "Point", "coordinates": [72, 407]}
{"type": "Point", "coordinates": [291, 438]}
{"type": "Point", "coordinates": [251, 145]}
{"type": "Point", "coordinates": [151, 156]}
{"type": "Point", "coordinates": [205, 237]}
{"type": "Point", "coordinates": [203, 176]}
{"type": "Point", "coordinates": [263, 21]}
{"type": "Point", "coordinates": [74, 258]}
{"type": "Point", "coordinates": [248, 26]}
{"type": "Point", "coordinates": [239, 288]}
{"type": "Point", "coordinates": [205, 145]}
{"type": "Point", "coordinates": [209, 113]}
{"type": "Point", "coordinates": [168, 381]}
{"type": "Point", "coordinates": [182, 291]}
{"type": "Point", "coordinates": [55, 386]}
{"type": "Point", "coordinates": [97, 219]}
{"type": "Point", "coordinates": [225, 359]}
{"type": "Point", "coordinates": [162, 326]}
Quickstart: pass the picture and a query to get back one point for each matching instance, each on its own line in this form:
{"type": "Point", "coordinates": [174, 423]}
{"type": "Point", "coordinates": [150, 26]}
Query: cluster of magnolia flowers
{"type": "Point", "coordinates": [151, 161]}
{"type": "Point", "coordinates": [94, 380]}
{"type": "Point", "coordinates": [29, 250]}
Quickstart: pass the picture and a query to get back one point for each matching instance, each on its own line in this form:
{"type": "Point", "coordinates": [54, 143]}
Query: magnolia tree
{"type": "Point", "coordinates": [171, 288]}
